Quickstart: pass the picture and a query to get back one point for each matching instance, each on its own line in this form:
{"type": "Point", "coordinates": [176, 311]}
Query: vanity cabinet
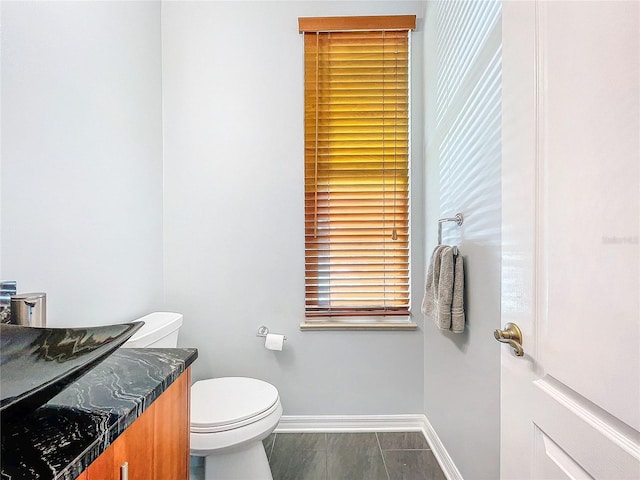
{"type": "Point", "coordinates": [98, 422]}
{"type": "Point", "coordinates": [155, 446]}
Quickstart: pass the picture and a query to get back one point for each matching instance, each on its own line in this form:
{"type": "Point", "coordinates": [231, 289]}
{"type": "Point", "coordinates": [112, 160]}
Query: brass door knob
{"type": "Point", "coordinates": [511, 335]}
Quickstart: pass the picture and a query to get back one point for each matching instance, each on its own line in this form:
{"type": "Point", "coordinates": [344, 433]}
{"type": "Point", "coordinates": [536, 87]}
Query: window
{"type": "Point", "coordinates": [356, 166]}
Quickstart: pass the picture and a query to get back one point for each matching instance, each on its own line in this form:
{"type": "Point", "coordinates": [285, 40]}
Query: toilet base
{"type": "Point", "coordinates": [246, 463]}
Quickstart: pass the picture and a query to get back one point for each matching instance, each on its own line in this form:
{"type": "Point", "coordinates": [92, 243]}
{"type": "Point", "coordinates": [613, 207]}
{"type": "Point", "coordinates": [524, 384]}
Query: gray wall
{"type": "Point", "coordinates": [234, 239]}
{"type": "Point", "coordinates": [81, 188]}
{"type": "Point", "coordinates": [82, 202]}
{"type": "Point", "coordinates": [462, 62]}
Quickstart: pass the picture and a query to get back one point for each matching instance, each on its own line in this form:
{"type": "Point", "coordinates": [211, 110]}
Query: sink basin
{"type": "Point", "coordinates": [38, 363]}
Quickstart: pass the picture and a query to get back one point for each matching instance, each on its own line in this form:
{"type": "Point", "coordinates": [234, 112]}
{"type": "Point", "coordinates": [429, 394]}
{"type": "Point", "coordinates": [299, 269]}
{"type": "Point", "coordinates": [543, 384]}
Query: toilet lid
{"type": "Point", "coordinates": [219, 402]}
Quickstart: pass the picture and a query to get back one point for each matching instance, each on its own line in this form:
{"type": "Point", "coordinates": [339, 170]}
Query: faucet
{"type": "Point", "coordinates": [7, 290]}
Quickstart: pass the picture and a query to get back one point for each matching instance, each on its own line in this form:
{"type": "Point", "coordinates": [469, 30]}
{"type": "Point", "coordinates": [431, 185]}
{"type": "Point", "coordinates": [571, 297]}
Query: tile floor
{"type": "Point", "coordinates": [346, 456]}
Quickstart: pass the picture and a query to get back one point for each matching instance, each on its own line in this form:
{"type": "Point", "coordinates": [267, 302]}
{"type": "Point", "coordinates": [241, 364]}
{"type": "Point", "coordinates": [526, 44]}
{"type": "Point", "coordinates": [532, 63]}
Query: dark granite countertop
{"type": "Point", "coordinates": [63, 437]}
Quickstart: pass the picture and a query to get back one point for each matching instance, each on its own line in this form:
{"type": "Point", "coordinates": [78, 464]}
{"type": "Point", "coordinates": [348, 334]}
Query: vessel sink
{"type": "Point", "coordinates": [37, 363]}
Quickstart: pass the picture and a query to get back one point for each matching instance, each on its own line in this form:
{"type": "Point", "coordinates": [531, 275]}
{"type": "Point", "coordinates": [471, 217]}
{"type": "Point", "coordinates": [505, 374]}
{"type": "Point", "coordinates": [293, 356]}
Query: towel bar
{"type": "Point", "coordinates": [458, 219]}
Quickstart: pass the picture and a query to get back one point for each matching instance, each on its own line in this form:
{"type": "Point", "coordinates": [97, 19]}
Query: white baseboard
{"type": "Point", "coordinates": [373, 423]}
{"type": "Point", "coordinates": [350, 423]}
{"type": "Point", "coordinates": [442, 456]}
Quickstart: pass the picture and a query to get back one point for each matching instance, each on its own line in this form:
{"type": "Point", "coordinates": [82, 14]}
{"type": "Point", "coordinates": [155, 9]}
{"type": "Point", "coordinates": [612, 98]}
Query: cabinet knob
{"type": "Point", "coordinates": [124, 471]}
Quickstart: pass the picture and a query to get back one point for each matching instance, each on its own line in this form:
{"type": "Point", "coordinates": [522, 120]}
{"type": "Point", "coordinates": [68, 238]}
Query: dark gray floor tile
{"type": "Point", "coordinates": [268, 444]}
{"type": "Point", "coordinates": [299, 456]}
{"type": "Point", "coordinates": [338, 441]}
{"type": "Point", "coordinates": [294, 464]}
{"type": "Point", "coordinates": [300, 441]}
{"type": "Point", "coordinates": [353, 456]}
{"type": "Point", "coordinates": [402, 441]}
{"type": "Point", "coordinates": [356, 463]}
{"type": "Point", "coordinates": [412, 465]}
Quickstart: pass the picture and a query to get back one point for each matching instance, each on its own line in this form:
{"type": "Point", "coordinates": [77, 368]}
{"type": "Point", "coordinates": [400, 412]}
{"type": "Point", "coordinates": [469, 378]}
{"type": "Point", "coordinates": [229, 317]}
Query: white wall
{"type": "Point", "coordinates": [462, 61]}
{"type": "Point", "coordinates": [81, 209]}
{"type": "Point", "coordinates": [234, 234]}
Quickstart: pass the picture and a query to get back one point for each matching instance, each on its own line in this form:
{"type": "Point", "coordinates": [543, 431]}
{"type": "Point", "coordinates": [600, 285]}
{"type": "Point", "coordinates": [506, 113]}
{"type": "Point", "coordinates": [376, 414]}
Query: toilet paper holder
{"type": "Point", "coordinates": [263, 331]}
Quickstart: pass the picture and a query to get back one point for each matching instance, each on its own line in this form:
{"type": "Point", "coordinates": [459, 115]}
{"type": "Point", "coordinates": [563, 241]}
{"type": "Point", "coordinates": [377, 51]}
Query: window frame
{"type": "Point", "coordinates": [392, 319]}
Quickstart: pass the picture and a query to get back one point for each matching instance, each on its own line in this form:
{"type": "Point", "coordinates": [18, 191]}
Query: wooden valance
{"type": "Point", "coordinates": [345, 24]}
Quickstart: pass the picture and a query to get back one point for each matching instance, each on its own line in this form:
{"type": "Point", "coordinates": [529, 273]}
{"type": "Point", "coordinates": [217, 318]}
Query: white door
{"type": "Point", "coordinates": [571, 255]}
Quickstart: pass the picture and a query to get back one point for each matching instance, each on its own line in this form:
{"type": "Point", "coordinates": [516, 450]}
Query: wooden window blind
{"type": "Point", "coordinates": [357, 166]}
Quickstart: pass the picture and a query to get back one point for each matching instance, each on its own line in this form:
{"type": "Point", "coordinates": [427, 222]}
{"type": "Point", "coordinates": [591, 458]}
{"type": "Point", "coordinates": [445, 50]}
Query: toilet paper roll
{"type": "Point", "coordinates": [274, 341]}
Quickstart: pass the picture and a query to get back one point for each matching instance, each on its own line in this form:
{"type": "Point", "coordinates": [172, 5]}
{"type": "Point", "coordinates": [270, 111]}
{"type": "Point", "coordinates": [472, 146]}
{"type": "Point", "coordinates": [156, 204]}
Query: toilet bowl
{"type": "Point", "coordinates": [230, 416]}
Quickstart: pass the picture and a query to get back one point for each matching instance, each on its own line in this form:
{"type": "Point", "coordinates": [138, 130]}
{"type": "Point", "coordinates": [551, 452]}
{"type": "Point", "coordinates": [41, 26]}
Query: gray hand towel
{"type": "Point", "coordinates": [457, 304]}
{"type": "Point", "coordinates": [443, 300]}
{"type": "Point", "coordinates": [431, 286]}
{"type": "Point", "coordinates": [444, 289]}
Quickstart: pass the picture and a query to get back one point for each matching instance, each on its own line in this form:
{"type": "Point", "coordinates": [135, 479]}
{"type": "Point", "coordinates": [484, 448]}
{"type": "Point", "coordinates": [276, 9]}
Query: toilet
{"type": "Point", "coordinates": [230, 416]}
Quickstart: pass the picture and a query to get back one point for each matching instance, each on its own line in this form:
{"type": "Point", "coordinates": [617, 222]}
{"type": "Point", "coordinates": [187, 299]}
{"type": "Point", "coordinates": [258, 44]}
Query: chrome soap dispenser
{"type": "Point", "coordinates": [29, 309]}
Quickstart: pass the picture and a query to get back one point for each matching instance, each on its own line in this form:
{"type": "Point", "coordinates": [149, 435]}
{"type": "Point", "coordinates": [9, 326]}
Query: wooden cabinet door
{"type": "Point", "coordinates": [135, 447]}
{"type": "Point", "coordinates": [156, 445]}
{"type": "Point", "coordinates": [103, 467]}
{"type": "Point", "coordinates": [171, 431]}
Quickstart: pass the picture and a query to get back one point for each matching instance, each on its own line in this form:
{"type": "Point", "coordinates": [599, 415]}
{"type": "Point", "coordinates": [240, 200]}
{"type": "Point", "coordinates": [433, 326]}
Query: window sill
{"type": "Point", "coordinates": [333, 325]}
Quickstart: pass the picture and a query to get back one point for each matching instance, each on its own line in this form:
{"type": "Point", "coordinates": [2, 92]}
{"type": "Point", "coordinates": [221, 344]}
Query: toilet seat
{"type": "Point", "coordinates": [222, 404]}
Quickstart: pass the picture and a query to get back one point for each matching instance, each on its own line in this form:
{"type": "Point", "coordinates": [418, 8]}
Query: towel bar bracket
{"type": "Point", "coordinates": [459, 219]}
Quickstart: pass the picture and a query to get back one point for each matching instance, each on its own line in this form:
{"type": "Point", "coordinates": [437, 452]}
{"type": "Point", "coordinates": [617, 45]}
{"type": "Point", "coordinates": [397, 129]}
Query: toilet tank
{"type": "Point", "coordinates": [160, 330]}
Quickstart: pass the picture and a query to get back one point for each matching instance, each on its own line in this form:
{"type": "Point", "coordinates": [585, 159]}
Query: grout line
{"type": "Point", "coordinates": [326, 457]}
{"type": "Point", "coordinates": [382, 455]}
{"type": "Point", "coordinates": [407, 450]}
{"type": "Point", "coordinates": [275, 435]}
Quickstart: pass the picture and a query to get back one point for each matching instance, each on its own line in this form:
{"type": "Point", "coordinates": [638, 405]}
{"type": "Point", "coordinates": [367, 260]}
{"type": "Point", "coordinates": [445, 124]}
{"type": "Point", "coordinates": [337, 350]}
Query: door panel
{"type": "Point", "coordinates": [571, 256]}
{"type": "Point", "coordinates": [602, 448]}
{"type": "Point", "coordinates": [554, 463]}
{"type": "Point", "coordinates": [590, 201]}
